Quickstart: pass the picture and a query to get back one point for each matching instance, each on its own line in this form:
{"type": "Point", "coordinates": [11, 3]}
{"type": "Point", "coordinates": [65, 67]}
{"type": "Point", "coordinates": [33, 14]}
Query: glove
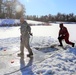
{"type": "Point", "coordinates": [31, 34]}
{"type": "Point", "coordinates": [58, 37]}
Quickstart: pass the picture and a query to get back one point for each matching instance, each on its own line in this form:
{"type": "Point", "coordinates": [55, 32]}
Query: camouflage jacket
{"type": "Point", "coordinates": [25, 28]}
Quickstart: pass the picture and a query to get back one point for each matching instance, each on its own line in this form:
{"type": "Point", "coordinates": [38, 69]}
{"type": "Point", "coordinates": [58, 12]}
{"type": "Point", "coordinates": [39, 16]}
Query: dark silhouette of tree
{"type": "Point", "coordinates": [7, 9]}
{"type": "Point", "coordinates": [52, 18]}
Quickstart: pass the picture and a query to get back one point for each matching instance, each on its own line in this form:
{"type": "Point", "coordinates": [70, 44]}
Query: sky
{"type": "Point", "coordinates": [45, 7]}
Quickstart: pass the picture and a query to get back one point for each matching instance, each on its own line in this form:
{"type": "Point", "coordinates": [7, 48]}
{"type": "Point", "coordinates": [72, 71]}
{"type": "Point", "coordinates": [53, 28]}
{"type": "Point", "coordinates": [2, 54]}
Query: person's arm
{"type": "Point", "coordinates": [29, 29]}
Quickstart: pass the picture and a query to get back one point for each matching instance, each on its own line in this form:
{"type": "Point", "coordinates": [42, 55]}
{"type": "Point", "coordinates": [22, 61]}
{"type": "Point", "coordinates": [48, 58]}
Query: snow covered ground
{"type": "Point", "coordinates": [48, 61]}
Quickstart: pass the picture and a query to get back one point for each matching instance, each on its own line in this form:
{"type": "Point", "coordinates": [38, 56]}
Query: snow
{"type": "Point", "coordinates": [34, 22]}
{"type": "Point", "coordinates": [9, 21]}
{"type": "Point", "coordinates": [17, 21]}
{"type": "Point", "coordinates": [49, 62]}
{"type": "Point", "coordinates": [63, 63]}
{"type": "Point", "coordinates": [9, 32]}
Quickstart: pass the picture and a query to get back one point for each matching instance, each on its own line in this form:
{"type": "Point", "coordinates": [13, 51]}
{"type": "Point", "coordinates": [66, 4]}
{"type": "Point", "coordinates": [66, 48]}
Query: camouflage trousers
{"type": "Point", "coordinates": [25, 43]}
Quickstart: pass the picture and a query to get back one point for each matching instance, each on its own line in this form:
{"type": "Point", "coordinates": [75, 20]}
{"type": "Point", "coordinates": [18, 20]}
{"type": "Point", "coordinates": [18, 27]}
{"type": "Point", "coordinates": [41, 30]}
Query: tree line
{"type": "Point", "coordinates": [52, 18]}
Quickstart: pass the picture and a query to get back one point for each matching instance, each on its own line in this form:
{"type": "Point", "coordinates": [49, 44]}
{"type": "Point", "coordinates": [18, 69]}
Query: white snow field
{"type": "Point", "coordinates": [46, 61]}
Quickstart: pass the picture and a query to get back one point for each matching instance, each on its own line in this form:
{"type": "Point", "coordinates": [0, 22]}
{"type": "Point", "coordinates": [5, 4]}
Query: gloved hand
{"type": "Point", "coordinates": [31, 34]}
{"type": "Point", "coordinates": [58, 37]}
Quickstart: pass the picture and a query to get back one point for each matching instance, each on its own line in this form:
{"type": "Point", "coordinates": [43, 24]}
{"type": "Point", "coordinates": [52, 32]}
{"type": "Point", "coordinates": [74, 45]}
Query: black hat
{"type": "Point", "coordinates": [61, 24]}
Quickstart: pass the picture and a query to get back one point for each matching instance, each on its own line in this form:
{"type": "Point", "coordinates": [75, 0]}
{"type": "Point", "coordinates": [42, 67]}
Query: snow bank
{"type": "Point", "coordinates": [60, 63]}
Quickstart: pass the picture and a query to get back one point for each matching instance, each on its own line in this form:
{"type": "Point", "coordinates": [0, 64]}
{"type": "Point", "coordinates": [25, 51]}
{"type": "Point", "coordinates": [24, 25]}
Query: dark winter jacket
{"type": "Point", "coordinates": [63, 32]}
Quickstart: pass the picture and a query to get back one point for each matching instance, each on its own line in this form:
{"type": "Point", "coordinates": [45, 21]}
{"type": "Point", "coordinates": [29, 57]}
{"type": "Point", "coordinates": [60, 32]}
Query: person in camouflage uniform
{"type": "Point", "coordinates": [25, 36]}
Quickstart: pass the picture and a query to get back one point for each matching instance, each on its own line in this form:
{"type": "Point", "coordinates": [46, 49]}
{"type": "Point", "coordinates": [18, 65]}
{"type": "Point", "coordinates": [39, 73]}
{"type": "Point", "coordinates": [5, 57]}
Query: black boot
{"type": "Point", "coordinates": [73, 44]}
{"type": "Point", "coordinates": [30, 55]}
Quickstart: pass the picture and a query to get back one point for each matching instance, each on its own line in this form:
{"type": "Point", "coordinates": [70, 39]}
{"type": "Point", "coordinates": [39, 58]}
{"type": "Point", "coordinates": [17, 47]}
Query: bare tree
{"type": "Point", "coordinates": [7, 9]}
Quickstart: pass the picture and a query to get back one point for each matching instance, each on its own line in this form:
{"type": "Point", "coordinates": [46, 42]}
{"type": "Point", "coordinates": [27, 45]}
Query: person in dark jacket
{"type": "Point", "coordinates": [25, 36]}
{"type": "Point", "coordinates": [64, 34]}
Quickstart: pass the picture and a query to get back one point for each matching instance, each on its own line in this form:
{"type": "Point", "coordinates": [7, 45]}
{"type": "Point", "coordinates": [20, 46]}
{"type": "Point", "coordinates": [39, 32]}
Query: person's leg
{"type": "Point", "coordinates": [28, 46]}
{"type": "Point", "coordinates": [68, 42]}
{"type": "Point", "coordinates": [21, 46]}
{"type": "Point", "coordinates": [60, 41]}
